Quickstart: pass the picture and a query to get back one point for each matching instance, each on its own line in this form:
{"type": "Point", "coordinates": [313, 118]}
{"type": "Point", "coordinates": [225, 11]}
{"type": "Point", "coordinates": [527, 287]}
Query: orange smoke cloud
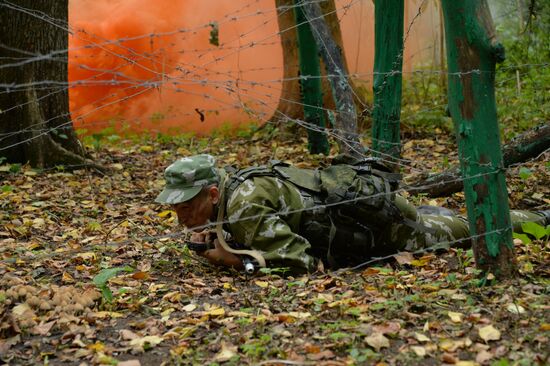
{"type": "Point", "coordinates": [152, 67]}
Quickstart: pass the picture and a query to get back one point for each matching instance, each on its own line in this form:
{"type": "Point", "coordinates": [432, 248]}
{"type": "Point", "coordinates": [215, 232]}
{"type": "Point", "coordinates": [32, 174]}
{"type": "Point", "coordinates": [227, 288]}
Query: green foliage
{"type": "Point", "coordinates": [533, 229]}
{"type": "Point", "coordinates": [15, 168]}
{"type": "Point", "coordinates": [100, 280]}
{"type": "Point", "coordinates": [525, 173]}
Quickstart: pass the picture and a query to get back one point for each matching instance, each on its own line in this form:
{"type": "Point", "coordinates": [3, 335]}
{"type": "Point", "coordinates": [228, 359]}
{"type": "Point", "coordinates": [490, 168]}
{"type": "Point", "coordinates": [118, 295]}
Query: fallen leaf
{"type": "Point", "coordinates": [455, 317]}
{"type": "Point", "coordinates": [129, 363]}
{"type": "Point", "coordinates": [484, 356]}
{"type": "Point", "coordinates": [377, 341]}
{"type": "Point", "coordinates": [419, 350]}
{"type": "Point", "coordinates": [127, 334]}
{"type": "Point", "coordinates": [140, 276]}
{"type": "Point", "coordinates": [262, 284]}
{"type": "Point", "coordinates": [189, 307]}
{"type": "Point", "coordinates": [44, 328]}
{"type": "Point", "coordinates": [226, 353]}
{"type": "Point", "coordinates": [421, 337]}
{"type": "Point", "coordinates": [466, 363]}
{"type": "Point", "coordinates": [489, 333]}
{"type": "Point", "coordinates": [326, 354]}
{"type": "Point", "coordinates": [216, 312]}
{"type": "Point", "coordinates": [404, 257]}
{"type": "Point", "coordinates": [515, 309]}
{"type": "Point", "coordinates": [145, 343]}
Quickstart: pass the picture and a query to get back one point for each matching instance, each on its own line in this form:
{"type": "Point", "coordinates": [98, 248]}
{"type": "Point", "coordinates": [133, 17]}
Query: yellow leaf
{"type": "Point", "coordinates": [466, 363]}
{"type": "Point", "coordinates": [107, 314]}
{"type": "Point", "coordinates": [166, 213]}
{"type": "Point", "coordinates": [67, 278]}
{"type": "Point", "coordinates": [455, 317]}
{"type": "Point", "coordinates": [489, 333]}
{"type": "Point", "coordinates": [117, 166]}
{"type": "Point", "coordinates": [216, 312]}
{"type": "Point", "coordinates": [96, 347]}
{"type": "Point", "coordinates": [261, 284]}
{"type": "Point", "coordinates": [146, 148]}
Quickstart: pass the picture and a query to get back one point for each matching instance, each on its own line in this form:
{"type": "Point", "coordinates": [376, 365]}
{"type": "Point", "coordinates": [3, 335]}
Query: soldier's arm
{"type": "Point", "coordinates": [257, 218]}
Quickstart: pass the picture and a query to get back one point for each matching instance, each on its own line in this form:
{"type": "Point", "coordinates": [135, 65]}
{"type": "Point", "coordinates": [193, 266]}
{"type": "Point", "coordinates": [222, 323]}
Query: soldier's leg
{"type": "Point", "coordinates": [434, 229]}
{"type": "Point", "coordinates": [520, 217]}
{"type": "Point", "coordinates": [420, 231]}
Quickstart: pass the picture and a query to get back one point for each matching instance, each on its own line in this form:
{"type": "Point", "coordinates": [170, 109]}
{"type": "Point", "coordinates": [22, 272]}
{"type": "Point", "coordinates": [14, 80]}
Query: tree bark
{"type": "Point", "coordinates": [312, 94]}
{"type": "Point", "coordinates": [289, 106]}
{"type": "Point", "coordinates": [346, 118]}
{"type": "Point", "coordinates": [388, 67]}
{"type": "Point", "coordinates": [35, 123]}
{"type": "Point", "coordinates": [523, 147]}
{"type": "Point", "coordinates": [472, 52]}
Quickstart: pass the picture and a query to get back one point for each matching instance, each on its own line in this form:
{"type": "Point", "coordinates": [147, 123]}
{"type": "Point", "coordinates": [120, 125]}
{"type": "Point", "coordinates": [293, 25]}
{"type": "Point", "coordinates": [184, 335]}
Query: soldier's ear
{"type": "Point", "coordinates": [214, 194]}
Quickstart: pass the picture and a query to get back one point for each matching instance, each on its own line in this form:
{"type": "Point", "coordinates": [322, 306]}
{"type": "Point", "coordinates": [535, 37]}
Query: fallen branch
{"type": "Point", "coordinates": [522, 148]}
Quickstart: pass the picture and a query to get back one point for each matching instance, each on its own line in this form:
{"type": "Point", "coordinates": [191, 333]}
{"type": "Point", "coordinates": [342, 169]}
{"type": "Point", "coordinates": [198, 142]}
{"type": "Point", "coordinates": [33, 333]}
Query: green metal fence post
{"type": "Point", "coordinates": [388, 63]}
{"type": "Point", "coordinates": [310, 81]}
{"type": "Point", "coordinates": [472, 52]}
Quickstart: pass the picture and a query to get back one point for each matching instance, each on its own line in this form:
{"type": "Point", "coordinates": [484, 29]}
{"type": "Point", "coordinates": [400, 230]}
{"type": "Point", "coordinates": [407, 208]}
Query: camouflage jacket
{"type": "Point", "coordinates": [264, 214]}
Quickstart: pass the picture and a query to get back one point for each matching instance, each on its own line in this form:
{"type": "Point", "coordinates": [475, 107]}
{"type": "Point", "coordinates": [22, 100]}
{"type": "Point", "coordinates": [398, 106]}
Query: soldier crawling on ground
{"type": "Point", "coordinates": [282, 216]}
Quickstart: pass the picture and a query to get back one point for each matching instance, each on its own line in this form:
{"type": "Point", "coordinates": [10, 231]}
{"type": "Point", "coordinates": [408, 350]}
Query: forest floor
{"type": "Point", "coordinates": [60, 228]}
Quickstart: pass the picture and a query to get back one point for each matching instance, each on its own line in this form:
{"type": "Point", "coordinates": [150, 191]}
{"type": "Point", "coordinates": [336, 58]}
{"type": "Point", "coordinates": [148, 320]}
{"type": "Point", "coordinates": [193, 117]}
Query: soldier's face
{"type": "Point", "coordinates": [199, 210]}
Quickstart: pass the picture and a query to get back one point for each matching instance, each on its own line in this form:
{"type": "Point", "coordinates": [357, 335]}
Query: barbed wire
{"type": "Point", "coordinates": [277, 214]}
{"type": "Point", "coordinates": [232, 85]}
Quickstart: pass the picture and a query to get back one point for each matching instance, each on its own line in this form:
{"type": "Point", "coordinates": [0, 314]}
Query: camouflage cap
{"type": "Point", "coordinates": [186, 177]}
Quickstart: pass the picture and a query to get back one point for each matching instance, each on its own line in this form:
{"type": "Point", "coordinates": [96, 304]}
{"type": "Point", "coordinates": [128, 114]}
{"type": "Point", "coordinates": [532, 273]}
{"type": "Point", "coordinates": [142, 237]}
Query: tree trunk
{"type": "Point", "coordinates": [312, 95]}
{"type": "Point", "coordinates": [35, 123]}
{"type": "Point", "coordinates": [290, 106]}
{"type": "Point", "coordinates": [525, 146]}
{"type": "Point", "coordinates": [388, 67]}
{"type": "Point", "coordinates": [328, 8]}
{"type": "Point", "coordinates": [472, 52]}
{"type": "Point", "coordinates": [346, 118]}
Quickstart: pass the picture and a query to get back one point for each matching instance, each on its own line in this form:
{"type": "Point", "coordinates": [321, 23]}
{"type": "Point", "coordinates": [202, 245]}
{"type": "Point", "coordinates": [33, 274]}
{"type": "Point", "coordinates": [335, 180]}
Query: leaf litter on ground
{"type": "Point", "coordinates": [84, 281]}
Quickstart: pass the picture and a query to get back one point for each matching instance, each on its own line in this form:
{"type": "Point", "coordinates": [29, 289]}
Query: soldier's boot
{"type": "Point", "coordinates": [434, 210]}
{"type": "Point", "coordinates": [546, 215]}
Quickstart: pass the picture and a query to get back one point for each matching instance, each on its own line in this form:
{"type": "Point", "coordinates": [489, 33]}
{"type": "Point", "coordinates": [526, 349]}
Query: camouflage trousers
{"type": "Point", "coordinates": [438, 228]}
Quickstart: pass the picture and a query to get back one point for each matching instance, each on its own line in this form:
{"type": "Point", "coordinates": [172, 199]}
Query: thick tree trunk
{"type": "Point", "coordinates": [388, 65]}
{"type": "Point", "coordinates": [472, 52]}
{"type": "Point", "coordinates": [290, 106]}
{"type": "Point", "coordinates": [312, 94]}
{"type": "Point", "coordinates": [346, 118]}
{"type": "Point", "coordinates": [35, 123]}
{"type": "Point", "coordinates": [525, 146]}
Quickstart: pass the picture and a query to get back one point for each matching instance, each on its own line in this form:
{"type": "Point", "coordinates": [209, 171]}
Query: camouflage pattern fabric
{"type": "Point", "coordinates": [186, 177]}
{"type": "Point", "coordinates": [264, 214]}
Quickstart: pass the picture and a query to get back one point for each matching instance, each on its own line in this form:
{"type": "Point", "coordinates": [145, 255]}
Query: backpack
{"type": "Point", "coordinates": [347, 206]}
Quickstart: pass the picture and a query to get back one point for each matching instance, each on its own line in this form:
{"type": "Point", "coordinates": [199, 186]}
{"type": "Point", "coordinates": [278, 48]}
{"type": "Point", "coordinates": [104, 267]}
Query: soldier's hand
{"type": "Point", "coordinates": [200, 237]}
{"type": "Point", "coordinates": [221, 257]}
